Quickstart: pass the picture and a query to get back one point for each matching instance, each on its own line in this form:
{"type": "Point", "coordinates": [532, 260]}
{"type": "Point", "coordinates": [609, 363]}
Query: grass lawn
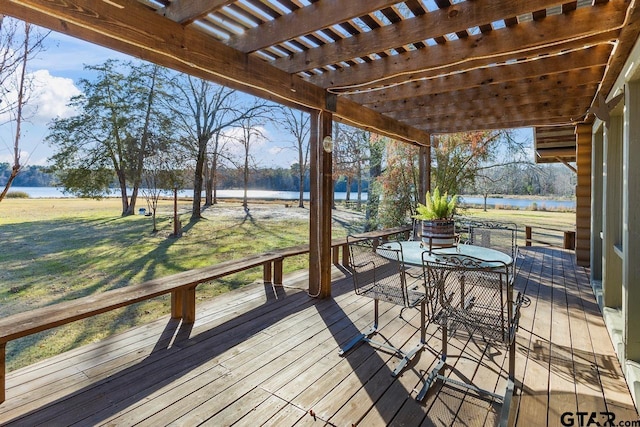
{"type": "Point", "coordinates": [60, 249]}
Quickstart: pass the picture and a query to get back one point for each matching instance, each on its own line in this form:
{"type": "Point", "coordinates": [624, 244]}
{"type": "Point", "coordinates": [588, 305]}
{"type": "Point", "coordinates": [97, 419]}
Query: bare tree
{"type": "Point", "coordinates": [297, 124]}
{"type": "Point", "coordinates": [15, 54]}
{"type": "Point", "coordinates": [204, 109]}
{"type": "Point", "coordinates": [251, 133]}
{"type": "Point", "coordinates": [351, 150]}
{"type": "Point", "coordinates": [162, 173]}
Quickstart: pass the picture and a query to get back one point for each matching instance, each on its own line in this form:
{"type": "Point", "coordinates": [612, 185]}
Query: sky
{"type": "Point", "coordinates": [57, 71]}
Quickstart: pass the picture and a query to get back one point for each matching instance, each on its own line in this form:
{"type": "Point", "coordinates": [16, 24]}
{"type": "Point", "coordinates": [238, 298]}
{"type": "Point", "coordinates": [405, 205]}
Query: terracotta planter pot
{"type": "Point", "coordinates": [438, 233]}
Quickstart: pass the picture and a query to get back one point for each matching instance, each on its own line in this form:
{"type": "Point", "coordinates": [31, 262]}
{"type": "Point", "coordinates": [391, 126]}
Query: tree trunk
{"type": "Point", "coordinates": [132, 201]}
{"type": "Point", "coordinates": [214, 178]}
{"type": "Point", "coordinates": [123, 193]}
{"type": "Point", "coordinates": [208, 190]}
{"type": "Point", "coordinates": [301, 177]}
{"type": "Point", "coordinates": [485, 201]}
{"type": "Point", "coordinates": [15, 170]}
{"type": "Point", "coordinates": [14, 173]}
{"type": "Point", "coordinates": [196, 212]}
{"type": "Point", "coordinates": [142, 150]}
{"type": "Point", "coordinates": [246, 179]}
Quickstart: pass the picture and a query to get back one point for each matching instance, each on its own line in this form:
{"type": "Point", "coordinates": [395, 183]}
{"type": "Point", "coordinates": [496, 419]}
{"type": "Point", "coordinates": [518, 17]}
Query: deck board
{"type": "Point", "coordinates": [269, 356]}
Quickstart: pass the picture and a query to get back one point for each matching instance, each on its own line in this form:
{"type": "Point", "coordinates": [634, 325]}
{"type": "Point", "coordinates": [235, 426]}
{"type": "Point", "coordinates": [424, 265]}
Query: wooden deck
{"type": "Point", "coordinates": [261, 356]}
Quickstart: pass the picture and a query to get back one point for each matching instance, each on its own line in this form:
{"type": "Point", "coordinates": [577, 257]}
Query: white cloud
{"type": "Point", "coordinates": [233, 137]}
{"type": "Point", "coordinates": [48, 99]}
{"type": "Point", "coordinates": [25, 158]}
{"type": "Point", "coordinates": [51, 95]}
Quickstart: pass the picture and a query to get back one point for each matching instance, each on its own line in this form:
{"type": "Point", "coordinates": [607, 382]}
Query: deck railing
{"type": "Point", "coordinates": [181, 286]}
{"type": "Point", "coordinates": [548, 236]}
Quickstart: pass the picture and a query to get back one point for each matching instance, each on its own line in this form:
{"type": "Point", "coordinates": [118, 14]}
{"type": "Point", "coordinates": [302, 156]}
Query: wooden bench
{"type": "Point", "coordinates": [181, 286]}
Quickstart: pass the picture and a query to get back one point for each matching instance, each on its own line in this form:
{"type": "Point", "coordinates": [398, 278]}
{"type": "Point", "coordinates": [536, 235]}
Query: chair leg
{"type": "Point", "coordinates": [506, 404]}
{"type": "Point", "coordinates": [376, 314]}
{"type": "Point", "coordinates": [419, 347]}
{"type": "Point", "coordinates": [364, 336]}
{"type": "Point", "coordinates": [435, 372]}
{"type": "Point", "coordinates": [406, 356]}
{"type": "Point", "coordinates": [433, 375]}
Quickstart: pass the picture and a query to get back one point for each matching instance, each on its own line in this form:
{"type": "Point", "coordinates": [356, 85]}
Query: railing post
{"type": "Point", "coordinates": [527, 233]}
{"type": "Point", "coordinates": [277, 271]}
{"type": "Point", "coordinates": [177, 303]}
{"type": "Point", "coordinates": [345, 255]}
{"type": "Point", "coordinates": [569, 241]}
{"type": "Point", "coordinates": [335, 255]}
{"type": "Point", "coordinates": [266, 272]}
{"type": "Point", "coordinates": [3, 371]}
{"type": "Point", "coordinates": [189, 305]}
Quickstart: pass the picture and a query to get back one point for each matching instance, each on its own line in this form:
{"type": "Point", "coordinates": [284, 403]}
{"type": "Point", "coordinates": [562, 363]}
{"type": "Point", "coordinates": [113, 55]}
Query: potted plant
{"type": "Point", "coordinates": [438, 227]}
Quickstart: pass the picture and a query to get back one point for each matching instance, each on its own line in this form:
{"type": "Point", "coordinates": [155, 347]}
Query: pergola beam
{"type": "Point", "coordinates": [596, 56]}
{"type": "Point", "coordinates": [559, 106]}
{"type": "Point", "coordinates": [496, 101]}
{"type": "Point", "coordinates": [495, 123]}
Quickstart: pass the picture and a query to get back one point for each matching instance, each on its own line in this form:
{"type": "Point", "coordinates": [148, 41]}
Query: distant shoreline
{"type": "Point", "coordinates": [493, 201]}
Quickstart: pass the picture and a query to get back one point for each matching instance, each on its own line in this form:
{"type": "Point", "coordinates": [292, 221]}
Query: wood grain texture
{"type": "Point", "coordinates": [251, 358]}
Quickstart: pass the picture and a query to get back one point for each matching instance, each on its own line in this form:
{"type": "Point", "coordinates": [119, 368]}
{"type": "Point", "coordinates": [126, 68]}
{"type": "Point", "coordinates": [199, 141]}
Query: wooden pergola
{"type": "Point", "coordinates": [405, 69]}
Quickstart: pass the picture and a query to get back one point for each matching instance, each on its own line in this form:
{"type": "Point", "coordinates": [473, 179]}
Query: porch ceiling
{"type": "Point", "coordinates": [404, 69]}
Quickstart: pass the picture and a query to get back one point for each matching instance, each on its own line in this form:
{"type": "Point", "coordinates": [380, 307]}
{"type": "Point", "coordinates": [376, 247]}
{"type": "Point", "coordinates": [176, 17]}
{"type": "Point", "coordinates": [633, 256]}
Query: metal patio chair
{"type": "Point", "coordinates": [501, 236]}
{"type": "Point", "coordinates": [476, 298]}
{"type": "Point", "coordinates": [379, 274]}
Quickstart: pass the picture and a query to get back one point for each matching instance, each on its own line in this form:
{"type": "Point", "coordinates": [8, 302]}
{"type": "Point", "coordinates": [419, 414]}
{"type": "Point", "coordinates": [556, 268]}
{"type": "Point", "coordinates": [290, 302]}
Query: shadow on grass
{"type": "Point", "coordinates": [53, 258]}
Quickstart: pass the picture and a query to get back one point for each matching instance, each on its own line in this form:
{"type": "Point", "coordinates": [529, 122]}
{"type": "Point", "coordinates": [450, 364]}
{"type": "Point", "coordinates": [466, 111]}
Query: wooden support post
{"type": "Point", "coordinates": [583, 195]}
{"type": "Point", "coordinates": [597, 197]}
{"type": "Point", "coordinates": [527, 235]}
{"type": "Point", "coordinates": [277, 271]}
{"type": "Point", "coordinates": [266, 272]}
{"type": "Point", "coordinates": [326, 190]}
{"type": "Point", "coordinates": [3, 370]}
{"type": "Point", "coordinates": [424, 172]}
{"type": "Point", "coordinates": [314, 205]}
{"type": "Point", "coordinates": [320, 207]}
{"type": "Point", "coordinates": [189, 305]}
{"type": "Point", "coordinates": [177, 304]}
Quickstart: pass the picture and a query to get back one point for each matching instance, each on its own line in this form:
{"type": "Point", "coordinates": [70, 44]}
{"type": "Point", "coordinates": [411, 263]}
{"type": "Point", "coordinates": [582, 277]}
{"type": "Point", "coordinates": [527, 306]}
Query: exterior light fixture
{"type": "Point", "coordinates": [327, 144]}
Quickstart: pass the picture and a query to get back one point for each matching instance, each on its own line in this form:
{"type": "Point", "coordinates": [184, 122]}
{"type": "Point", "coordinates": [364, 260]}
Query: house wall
{"type": "Point", "coordinates": [615, 220]}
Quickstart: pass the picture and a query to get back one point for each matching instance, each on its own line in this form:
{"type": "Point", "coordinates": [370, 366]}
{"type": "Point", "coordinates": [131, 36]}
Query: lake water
{"type": "Point", "coordinates": [519, 203]}
{"type": "Point", "coordinates": [56, 193]}
{"type": "Point", "coordinates": [492, 202]}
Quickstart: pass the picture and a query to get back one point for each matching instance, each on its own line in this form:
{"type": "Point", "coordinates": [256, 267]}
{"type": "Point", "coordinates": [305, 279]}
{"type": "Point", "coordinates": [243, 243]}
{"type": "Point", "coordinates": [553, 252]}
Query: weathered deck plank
{"type": "Point", "coordinates": [534, 393]}
{"type": "Point", "coordinates": [254, 359]}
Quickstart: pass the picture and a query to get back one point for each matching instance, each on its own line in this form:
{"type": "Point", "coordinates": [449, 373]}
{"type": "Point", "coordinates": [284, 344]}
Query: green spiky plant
{"type": "Point", "coordinates": [437, 206]}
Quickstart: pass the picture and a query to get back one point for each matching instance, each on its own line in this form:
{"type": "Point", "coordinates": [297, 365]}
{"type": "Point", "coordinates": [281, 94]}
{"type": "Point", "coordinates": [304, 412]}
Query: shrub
{"type": "Point", "coordinates": [17, 195]}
